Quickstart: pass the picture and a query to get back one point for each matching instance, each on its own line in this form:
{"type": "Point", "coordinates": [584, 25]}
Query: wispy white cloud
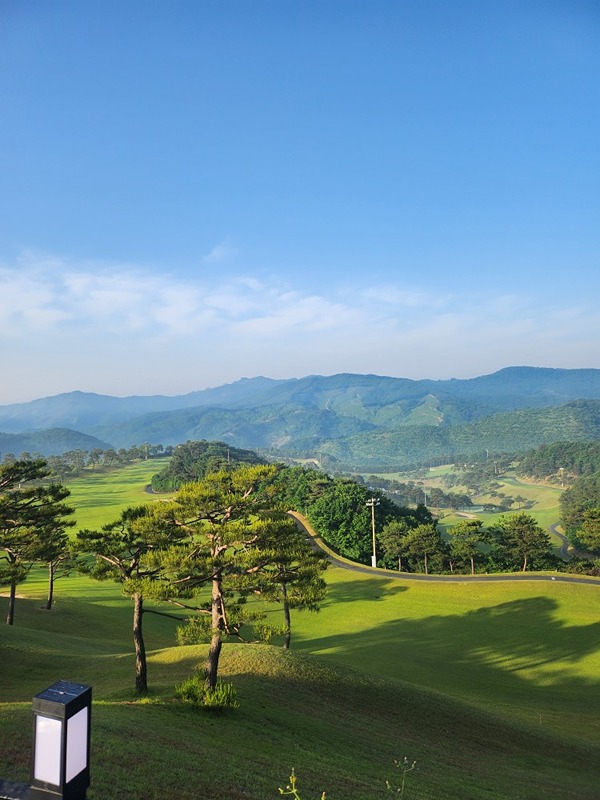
{"type": "Point", "coordinates": [127, 329]}
{"type": "Point", "coordinates": [224, 251]}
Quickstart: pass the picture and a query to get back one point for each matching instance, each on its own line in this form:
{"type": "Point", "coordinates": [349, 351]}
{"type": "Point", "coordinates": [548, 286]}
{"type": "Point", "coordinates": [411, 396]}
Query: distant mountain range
{"type": "Point", "coordinates": [365, 420]}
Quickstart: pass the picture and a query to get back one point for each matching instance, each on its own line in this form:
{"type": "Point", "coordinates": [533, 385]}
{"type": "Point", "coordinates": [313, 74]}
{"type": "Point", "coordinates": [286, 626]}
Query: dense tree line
{"type": "Point", "coordinates": [516, 542]}
{"type": "Point", "coordinates": [580, 512]}
{"type": "Point", "coordinates": [73, 462]}
{"type": "Point", "coordinates": [193, 460]}
{"type": "Point", "coordinates": [562, 461]}
{"type": "Point", "coordinates": [409, 538]}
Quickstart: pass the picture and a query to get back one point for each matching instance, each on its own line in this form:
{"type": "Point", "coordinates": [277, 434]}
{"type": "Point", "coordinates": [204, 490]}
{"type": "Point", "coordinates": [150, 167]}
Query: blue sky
{"type": "Point", "coordinates": [192, 192]}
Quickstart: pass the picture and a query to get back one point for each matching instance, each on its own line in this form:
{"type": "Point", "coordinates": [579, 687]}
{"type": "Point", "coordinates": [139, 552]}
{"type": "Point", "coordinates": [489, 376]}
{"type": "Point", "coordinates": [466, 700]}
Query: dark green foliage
{"type": "Point", "coordinates": [589, 531]}
{"type": "Point", "coordinates": [193, 691]}
{"type": "Point", "coordinates": [391, 539]}
{"type": "Point", "coordinates": [562, 460]}
{"type": "Point", "coordinates": [574, 501]}
{"type": "Point", "coordinates": [126, 551]}
{"type": "Point", "coordinates": [240, 543]}
{"type": "Point", "coordinates": [300, 487]}
{"type": "Point", "coordinates": [467, 536]}
{"type": "Point", "coordinates": [342, 517]}
{"type": "Point", "coordinates": [33, 521]}
{"type": "Point", "coordinates": [425, 549]}
{"type": "Point", "coordinates": [519, 542]}
{"type": "Point", "coordinates": [193, 460]}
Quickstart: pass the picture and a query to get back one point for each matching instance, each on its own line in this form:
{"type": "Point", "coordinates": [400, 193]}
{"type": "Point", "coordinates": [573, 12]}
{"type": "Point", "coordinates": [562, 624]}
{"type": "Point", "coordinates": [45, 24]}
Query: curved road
{"type": "Point", "coordinates": [344, 563]}
{"type": "Point", "coordinates": [564, 549]}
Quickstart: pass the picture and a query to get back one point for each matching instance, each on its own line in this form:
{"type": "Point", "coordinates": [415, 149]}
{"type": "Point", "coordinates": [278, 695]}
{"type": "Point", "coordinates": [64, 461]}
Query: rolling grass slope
{"type": "Point", "coordinates": [340, 728]}
{"type": "Point", "coordinates": [492, 688]}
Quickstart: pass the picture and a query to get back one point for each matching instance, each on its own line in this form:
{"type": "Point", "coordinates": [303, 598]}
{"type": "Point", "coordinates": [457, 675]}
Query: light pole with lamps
{"type": "Point", "coordinates": [372, 503]}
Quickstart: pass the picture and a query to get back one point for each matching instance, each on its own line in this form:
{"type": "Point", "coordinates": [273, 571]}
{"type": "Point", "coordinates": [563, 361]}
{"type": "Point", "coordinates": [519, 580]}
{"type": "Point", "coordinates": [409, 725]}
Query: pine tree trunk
{"type": "Point", "coordinates": [10, 617]}
{"type": "Point", "coordinates": [50, 586]}
{"type": "Point", "coordinates": [287, 618]}
{"type": "Point", "coordinates": [426, 573]}
{"type": "Point", "coordinates": [524, 563]}
{"type": "Point", "coordinates": [211, 668]}
{"type": "Point", "coordinates": [141, 669]}
{"type": "Point", "coordinates": [472, 566]}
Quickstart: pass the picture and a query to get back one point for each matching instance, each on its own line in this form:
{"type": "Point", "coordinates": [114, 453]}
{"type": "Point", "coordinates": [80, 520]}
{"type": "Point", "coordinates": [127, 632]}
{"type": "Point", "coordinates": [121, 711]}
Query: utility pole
{"type": "Point", "coordinates": [372, 503]}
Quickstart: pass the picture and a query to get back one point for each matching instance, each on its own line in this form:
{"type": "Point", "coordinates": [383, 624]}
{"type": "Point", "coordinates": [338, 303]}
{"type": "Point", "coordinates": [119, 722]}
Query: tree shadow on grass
{"type": "Point", "coordinates": [363, 589]}
{"type": "Point", "coordinates": [514, 652]}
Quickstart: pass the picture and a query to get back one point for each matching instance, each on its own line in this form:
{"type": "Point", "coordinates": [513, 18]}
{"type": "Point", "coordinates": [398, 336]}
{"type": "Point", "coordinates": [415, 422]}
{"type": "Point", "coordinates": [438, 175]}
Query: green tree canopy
{"type": "Point", "coordinates": [589, 531]}
{"type": "Point", "coordinates": [574, 501]}
{"type": "Point", "coordinates": [520, 540]}
{"type": "Point", "coordinates": [193, 460]}
{"type": "Point", "coordinates": [228, 518]}
{"type": "Point", "coordinates": [425, 543]}
{"type": "Point", "coordinates": [33, 521]}
{"type": "Point", "coordinates": [343, 519]}
{"type": "Point", "coordinates": [467, 536]}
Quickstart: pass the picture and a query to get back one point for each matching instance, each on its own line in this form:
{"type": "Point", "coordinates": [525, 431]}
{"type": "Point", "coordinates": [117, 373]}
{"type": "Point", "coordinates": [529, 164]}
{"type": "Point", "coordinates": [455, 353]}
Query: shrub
{"type": "Point", "coordinates": [193, 691]}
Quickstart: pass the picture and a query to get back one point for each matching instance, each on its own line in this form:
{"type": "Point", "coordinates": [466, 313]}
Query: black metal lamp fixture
{"type": "Point", "coordinates": [60, 763]}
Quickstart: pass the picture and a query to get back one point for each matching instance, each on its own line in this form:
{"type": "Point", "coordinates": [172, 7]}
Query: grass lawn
{"type": "Point", "coordinates": [99, 497]}
{"type": "Point", "coordinates": [529, 651]}
{"type": "Point", "coordinates": [492, 688]}
{"type": "Point", "coordinates": [341, 728]}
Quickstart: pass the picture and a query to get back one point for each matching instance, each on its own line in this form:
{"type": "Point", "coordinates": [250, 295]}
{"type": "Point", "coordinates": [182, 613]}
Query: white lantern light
{"type": "Point", "coordinates": [60, 765]}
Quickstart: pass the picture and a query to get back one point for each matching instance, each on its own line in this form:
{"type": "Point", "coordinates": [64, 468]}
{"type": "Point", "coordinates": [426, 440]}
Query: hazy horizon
{"type": "Point", "coordinates": [294, 377]}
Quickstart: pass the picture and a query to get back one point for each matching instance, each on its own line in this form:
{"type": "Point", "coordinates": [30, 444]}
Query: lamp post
{"type": "Point", "coordinates": [372, 503]}
{"type": "Point", "coordinates": [60, 763]}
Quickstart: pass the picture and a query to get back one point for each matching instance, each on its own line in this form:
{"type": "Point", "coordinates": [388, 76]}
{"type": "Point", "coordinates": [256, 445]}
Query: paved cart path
{"type": "Point", "coordinates": [345, 563]}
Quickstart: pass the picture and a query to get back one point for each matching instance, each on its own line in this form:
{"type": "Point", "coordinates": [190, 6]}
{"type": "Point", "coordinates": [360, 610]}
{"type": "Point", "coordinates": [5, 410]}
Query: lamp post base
{"type": "Point", "coordinates": [10, 790]}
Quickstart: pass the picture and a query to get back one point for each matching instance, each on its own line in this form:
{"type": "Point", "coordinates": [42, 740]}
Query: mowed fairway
{"type": "Point", "coordinates": [100, 497]}
{"type": "Point", "coordinates": [544, 499]}
{"type": "Point", "coordinates": [525, 650]}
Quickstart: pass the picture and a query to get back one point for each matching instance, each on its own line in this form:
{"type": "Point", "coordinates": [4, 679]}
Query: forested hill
{"type": "Point", "coordinates": [54, 441]}
{"type": "Point", "coordinates": [513, 432]}
{"type": "Point", "coordinates": [380, 401]}
{"type": "Point", "coordinates": [364, 420]}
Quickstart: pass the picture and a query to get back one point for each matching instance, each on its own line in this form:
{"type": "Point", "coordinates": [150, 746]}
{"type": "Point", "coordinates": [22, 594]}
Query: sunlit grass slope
{"type": "Point", "coordinates": [526, 650]}
{"type": "Point", "coordinates": [340, 728]}
{"type": "Point", "coordinates": [99, 497]}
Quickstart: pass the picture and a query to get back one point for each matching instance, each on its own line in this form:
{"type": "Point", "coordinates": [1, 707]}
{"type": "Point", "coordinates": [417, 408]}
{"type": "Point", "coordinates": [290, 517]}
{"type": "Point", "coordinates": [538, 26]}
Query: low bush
{"type": "Point", "coordinates": [194, 691]}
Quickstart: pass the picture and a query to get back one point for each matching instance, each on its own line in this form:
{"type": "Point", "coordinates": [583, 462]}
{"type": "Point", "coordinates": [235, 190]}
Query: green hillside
{"type": "Point", "coordinates": [369, 420]}
{"type": "Point", "coordinates": [510, 432]}
{"type": "Point", "coordinates": [54, 441]}
{"type": "Point", "coordinates": [365, 685]}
